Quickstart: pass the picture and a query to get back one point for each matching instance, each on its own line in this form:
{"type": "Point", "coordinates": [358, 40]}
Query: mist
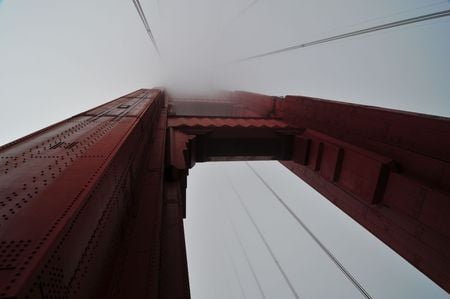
{"type": "Point", "coordinates": [58, 58]}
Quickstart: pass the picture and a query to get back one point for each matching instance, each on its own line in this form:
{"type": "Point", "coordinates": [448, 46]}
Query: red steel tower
{"type": "Point", "coordinates": [93, 206]}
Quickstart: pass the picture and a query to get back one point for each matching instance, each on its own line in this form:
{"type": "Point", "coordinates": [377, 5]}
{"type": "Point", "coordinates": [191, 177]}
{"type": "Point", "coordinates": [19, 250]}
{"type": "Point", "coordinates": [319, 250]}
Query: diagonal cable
{"type": "Point", "coordinates": [241, 245]}
{"type": "Point", "coordinates": [247, 258]}
{"type": "Point", "coordinates": [266, 244]}
{"type": "Point", "coordinates": [235, 270]}
{"type": "Point", "coordinates": [436, 15]}
{"type": "Point", "coordinates": [141, 13]}
{"type": "Point", "coordinates": [244, 11]}
{"type": "Point", "coordinates": [313, 236]}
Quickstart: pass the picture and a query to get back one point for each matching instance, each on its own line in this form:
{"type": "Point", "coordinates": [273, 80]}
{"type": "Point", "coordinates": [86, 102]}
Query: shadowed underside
{"type": "Point", "coordinates": [93, 206]}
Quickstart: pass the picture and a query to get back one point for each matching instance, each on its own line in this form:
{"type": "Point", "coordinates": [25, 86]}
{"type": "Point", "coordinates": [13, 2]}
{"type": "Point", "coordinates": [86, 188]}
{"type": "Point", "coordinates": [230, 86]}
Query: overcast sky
{"type": "Point", "coordinates": [216, 221]}
{"type": "Point", "coordinates": [58, 58]}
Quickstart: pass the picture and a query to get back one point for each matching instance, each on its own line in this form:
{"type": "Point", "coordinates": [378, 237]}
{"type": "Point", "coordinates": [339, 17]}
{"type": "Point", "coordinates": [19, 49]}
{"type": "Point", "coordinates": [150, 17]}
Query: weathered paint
{"type": "Point", "coordinates": [93, 206]}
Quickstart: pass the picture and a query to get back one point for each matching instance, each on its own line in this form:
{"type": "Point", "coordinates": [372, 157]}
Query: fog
{"type": "Point", "coordinates": [58, 58]}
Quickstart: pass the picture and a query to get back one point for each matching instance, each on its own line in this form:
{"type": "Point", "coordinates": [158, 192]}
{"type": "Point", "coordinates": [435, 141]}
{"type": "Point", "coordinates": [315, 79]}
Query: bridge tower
{"type": "Point", "coordinates": [93, 206]}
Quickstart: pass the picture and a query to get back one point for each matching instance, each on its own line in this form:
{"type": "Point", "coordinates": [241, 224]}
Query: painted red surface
{"type": "Point", "coordinates": [93, 206]}
{"type": "Point", "coordinates": [67, 193]}
{"type": "Point", "coordinates": [393, 177]}
{"type": "Point", "coordinates": [211, 122]}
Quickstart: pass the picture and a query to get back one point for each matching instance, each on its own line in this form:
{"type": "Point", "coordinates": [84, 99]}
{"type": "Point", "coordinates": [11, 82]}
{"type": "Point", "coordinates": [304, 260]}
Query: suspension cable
{"type": "Point", "coordinates": [241, 245]}
{"type": "Point", "coordinates": [436, 15]}
{"type": "Point", "coordinates": [266, 244]}
{"type": "Point", "coordinates": [233, 265]}
{"type": "Point", "coordinates": [141, 13]}
{"type": "Point", "coordinates": [245, 9]}
{"type": "Point", "coordinates": [313, 236]}
{"type": "Point", "coordinates": [247, 258]}
{"type": "Point", "coordinates": [397, 13]}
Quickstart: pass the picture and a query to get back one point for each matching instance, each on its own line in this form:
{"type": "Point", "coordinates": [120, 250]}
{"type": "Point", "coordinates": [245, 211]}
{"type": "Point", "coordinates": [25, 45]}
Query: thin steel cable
{"type": "Point", "coordinates": [241, 245]}
{"type": "Point", "coordinates": [247, 258]}
{"type": "Point", "coordinates": [145, 22]}
{"type": "Point", "coordinates": [143, 18]}
{"type": "Point", "coordinates": [236, 273]}
{"type": "Point", "coordinates": [141, 13]}
{"type": "Point", "coordinates": [221, 33]}
{"type": "Point", "coordinates": [266, 244]}
{"type": "Point", "coordinates": [397, 13]}
{"type": "Point", "coordinates": [245, 10]}
{"type": "Point", "coordinates": [386, 16]}
{"type": "Point", "coordinates": [313, 236]}
{"type": "Point", "coordinates": [436, 15]}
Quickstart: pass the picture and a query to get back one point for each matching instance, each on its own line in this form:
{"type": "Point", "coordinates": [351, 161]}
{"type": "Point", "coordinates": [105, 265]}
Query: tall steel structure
{"type": "Point", "coordinates": [92, 207]}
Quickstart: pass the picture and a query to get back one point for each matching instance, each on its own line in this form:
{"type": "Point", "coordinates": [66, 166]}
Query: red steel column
{"type": "Point", "coordinates": [389, 170]}
{"type": "Point", "coordinates": [69, 191]}
{"type": "Point", "coordinates": [174, 282]}
{"type": "Point", "coordinates": [136, 273]}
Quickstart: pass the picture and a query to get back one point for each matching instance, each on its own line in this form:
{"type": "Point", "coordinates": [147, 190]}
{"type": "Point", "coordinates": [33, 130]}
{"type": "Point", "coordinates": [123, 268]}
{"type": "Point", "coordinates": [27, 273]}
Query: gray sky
{"type": "Point", "coordinates": [213, 209]}
{"type": "Point", "coordinates": [58, 58]}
